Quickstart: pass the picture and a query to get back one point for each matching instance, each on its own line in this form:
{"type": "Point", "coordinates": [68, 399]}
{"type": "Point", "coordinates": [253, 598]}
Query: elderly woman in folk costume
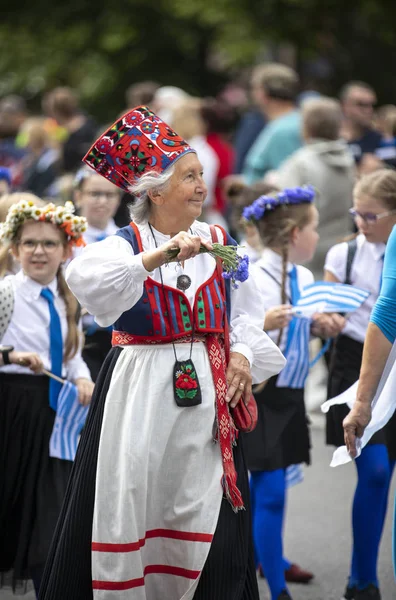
{"type": "Point", "coordinates": [153, 506]}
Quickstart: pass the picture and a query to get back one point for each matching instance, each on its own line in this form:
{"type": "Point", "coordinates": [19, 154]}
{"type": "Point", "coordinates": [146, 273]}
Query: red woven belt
{"type": "Point", "coordinates": [121, 338]}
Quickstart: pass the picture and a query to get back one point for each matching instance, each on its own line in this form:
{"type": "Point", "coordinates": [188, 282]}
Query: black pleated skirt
{"type": "Point", "coordinates": [282, 436]}
{"type": "Point", "coordinates": [32, 485]}
{"type": "Point", "coordinates": [95, 350]}
{"type": "Point", "coordinates": [345, 363]}
{"type": "Point", "coordinates": [229, 572]}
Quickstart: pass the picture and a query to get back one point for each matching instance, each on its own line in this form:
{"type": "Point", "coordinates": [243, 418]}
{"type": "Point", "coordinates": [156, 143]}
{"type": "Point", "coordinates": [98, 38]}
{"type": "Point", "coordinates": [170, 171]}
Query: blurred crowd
{"type": "Point", "coordinates": [271, 133]}
{"type": "Point", "coordinates": [251, 140]}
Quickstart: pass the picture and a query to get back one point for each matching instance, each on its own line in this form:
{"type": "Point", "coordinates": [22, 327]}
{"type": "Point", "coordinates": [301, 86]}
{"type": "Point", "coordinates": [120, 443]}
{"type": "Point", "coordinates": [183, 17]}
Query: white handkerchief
{"type": "Point", "coordinates": [383, 407]}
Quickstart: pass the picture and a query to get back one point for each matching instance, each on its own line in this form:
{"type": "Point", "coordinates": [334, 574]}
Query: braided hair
{"type": "Point", "coordinates": [276, 227]}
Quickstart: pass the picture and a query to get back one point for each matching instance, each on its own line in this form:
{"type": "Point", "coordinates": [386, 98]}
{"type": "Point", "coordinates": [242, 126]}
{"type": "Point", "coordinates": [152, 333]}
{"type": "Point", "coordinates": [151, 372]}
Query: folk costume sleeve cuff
{"type": "Point", "coordinates": [243, 349]}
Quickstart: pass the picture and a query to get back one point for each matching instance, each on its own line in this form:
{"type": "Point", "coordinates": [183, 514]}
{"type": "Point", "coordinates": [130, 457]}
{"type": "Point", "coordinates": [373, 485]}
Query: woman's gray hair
{"type": "Point", "coordinates": [149, 182]}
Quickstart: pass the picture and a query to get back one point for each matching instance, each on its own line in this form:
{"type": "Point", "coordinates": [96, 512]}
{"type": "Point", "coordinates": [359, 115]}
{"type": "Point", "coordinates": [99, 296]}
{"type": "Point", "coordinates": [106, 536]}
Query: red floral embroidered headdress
{"type": "Point", "coordinates": [137, 143]}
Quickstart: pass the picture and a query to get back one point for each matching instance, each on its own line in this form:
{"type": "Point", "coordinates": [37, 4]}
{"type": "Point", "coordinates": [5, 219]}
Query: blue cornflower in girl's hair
{"type": "Point", "coordinates": [296, 195]}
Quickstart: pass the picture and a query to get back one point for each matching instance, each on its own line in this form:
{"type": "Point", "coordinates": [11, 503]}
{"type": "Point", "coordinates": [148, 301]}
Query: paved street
{"type": "Point", "coordinates": [318, 530]}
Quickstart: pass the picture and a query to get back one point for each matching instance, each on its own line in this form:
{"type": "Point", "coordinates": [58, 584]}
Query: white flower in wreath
{"type": "Point", "coordinates": [70, 206]}
{"type": "Point", "coordinates": [36, 213]}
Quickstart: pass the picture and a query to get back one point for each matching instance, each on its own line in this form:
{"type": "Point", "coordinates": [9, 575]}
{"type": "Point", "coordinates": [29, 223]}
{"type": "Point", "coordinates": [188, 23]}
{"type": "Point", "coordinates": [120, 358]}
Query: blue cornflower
{"type": "Point", "coordinates": [240, 272]}
{"type": "Point", "coordinates": [295, 195]}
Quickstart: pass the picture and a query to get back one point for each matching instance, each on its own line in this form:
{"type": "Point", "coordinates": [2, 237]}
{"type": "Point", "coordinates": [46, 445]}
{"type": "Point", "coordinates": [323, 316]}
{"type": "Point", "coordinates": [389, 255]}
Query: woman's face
{"type": "Point", "coordinates": [305, 240]}
{"type": "Point", "coordinates": [97, 200]}
{"type": "Point", "coordinates": [41, 250]}
{"type": "Point", "coordinates": [367, 207]}
{"type": "Point", "coordinates": [186, 192]}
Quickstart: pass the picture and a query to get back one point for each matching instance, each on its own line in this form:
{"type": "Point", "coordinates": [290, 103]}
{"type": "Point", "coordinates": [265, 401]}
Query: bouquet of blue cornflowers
{"type": "Point", "coordinates": [235, 267]}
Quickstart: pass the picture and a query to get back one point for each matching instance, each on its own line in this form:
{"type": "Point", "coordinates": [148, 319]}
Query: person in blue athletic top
{"type": "Point", "coordinates": [381, 335]}
{"type": "Point", "coordinates": [360, 262]}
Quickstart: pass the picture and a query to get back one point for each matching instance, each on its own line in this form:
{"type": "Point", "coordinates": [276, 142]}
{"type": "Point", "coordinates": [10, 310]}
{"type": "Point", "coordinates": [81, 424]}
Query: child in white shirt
{"type": "Point", "coordinates": [38, 330]}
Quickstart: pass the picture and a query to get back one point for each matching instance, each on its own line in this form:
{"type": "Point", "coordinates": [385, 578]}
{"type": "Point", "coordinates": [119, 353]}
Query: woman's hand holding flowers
{"type": "Point", "coordinates": [179, 248]}
{"type": "Point", "coordinates": [184, 246]}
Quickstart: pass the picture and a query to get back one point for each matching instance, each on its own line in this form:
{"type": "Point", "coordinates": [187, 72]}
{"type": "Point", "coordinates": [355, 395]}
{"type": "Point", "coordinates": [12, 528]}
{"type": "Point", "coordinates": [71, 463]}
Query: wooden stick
{"type": "Point", "coordinates": [49, 374]}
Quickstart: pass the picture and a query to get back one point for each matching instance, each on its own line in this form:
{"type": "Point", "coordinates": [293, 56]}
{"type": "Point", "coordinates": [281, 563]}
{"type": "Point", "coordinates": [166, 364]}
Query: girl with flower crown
{"type": "Point", "coordinates": [287, 223]}
{"type": "Point", "coordinates": [38, 330]}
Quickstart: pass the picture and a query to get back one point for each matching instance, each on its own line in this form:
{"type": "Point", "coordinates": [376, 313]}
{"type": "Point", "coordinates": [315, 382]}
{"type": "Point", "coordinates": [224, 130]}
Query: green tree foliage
{"type": "Point", "coordinates": [103, 47]}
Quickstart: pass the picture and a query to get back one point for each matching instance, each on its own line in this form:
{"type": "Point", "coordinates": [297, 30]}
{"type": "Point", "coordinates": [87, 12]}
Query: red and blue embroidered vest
{"type": "Point", "coordinates": [165, 312]}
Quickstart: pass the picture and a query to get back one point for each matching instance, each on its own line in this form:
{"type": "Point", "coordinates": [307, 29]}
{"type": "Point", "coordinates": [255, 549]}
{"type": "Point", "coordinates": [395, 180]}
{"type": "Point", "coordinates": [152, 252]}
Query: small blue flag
{"type": "Point", "coordinates": [69, 421]}
{"type": "Point", "coordinates": [326, 296]}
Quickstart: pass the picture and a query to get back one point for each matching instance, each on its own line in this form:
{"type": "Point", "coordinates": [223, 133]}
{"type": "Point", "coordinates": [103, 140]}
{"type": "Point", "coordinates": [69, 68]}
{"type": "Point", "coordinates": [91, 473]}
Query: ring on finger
{"type": "Point", "coordinates": [241, 386]}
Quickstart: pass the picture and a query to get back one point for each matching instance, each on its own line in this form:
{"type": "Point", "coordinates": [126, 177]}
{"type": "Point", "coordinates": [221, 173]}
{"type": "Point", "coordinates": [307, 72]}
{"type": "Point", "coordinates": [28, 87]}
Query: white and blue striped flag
{"type": "Point", "coordinates": [326, 296]}
{"type": "Point", "coordinates": [69, 421]}
{"type": "Point", "coordinates": [296, 370]}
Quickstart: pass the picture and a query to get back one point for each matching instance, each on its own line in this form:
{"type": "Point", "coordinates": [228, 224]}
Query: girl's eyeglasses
{"type": "Point", "coordinates": [48, 246]}
{"type": "Point", "coordinates": [370, 218]}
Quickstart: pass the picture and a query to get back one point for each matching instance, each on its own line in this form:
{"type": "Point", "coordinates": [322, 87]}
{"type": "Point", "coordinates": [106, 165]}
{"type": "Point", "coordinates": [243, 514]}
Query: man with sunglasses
{"type": "Point", "coordinates": [358, 100]}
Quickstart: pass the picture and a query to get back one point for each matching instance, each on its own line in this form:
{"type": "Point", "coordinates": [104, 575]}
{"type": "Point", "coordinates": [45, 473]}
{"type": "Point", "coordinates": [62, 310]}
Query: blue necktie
{"type": "Point", "coordinates": [294, 296]}
{"type": "Point", "coordinates": [294, 289]}
{"type": "Point", "coordinates": [296, 370]}
{"type": "Point", "coordinates": [56, 347]}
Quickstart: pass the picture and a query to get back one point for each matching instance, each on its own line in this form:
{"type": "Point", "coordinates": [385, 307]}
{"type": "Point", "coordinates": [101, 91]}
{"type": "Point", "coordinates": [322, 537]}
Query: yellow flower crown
{"type": "Point", "coordinates": [61, 216]}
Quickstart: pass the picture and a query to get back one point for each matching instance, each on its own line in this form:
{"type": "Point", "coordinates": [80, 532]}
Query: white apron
{"type": "Point", "coordinates": [158, 486]}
